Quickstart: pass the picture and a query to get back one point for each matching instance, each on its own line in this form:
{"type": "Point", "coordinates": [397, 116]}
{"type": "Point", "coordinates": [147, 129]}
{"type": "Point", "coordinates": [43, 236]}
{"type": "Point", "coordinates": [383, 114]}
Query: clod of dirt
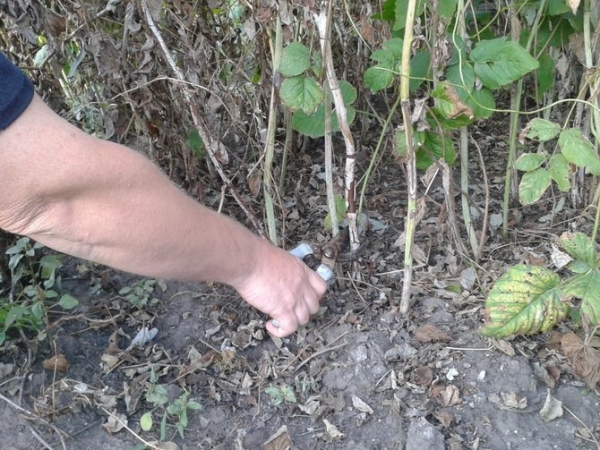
{"type": "Point", "coordinates": [422, 435]}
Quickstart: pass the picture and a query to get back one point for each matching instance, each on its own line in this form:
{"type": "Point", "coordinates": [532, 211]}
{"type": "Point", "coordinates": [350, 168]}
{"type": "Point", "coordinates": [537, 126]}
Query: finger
{"type": "Point", "coordinates": [302, 313]}
{"type": "Point", "coordinates": [278, 330]}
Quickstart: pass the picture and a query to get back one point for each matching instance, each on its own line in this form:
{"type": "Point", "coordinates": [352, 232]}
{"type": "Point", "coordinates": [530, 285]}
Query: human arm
{"type": "Point", "coordinates": [103, 202]}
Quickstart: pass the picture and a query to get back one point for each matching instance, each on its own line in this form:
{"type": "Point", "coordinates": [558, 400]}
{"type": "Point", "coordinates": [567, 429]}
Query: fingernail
{"type": "Point", "coordinates": [275, 323]}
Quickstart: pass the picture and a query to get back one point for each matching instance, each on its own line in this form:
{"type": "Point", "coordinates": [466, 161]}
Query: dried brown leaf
{"type": "Point", "coordinates": [573, 4]}
{"type": "Point", "coordinates": [513, 401]}
{"type": "Point", "coordinates": [505, 347]}
{"type": "Point", "coordinates": [450, 396]}
{"type": "Point", "coordinates": [552, 408]}
{"type": "Point", "coordinates": [279, 441]}
{"type": "Point", "coordinates": [423, 376]}
{"type": "Point", "coordinates": [430, 333]}
{"type": "Point", "coordinates": [115, 422]}
{"type": "Point", "coordinates": [332, 430]}
{"type": "Point", "coordinates": [583, 359]}
{"type": "Point", "coordinates": [359, 404]}
{"type": "Point", "coordinates": [58, 363]}
{"type": "Point", "coordinates": [444, 416]}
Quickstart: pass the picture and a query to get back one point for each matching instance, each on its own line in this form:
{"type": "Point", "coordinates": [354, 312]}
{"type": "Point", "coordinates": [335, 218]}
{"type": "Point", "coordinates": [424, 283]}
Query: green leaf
{"type": "Point", "coordinates": [276, 396]}
{"type": "Point", "coordinates": [482, 103]}
{"type": "Point", "coordinates": [394, 46]}
{"type": "Point", "coordinates": [146, 421]}
{"type": "Point", "coordinates": [195, 143]}
{"type": "Point", "coordinates": [14, 315]}
{"type": "Point", "coordinates": [50, 294]}
{"type": "Point", "coordinates": [578, 150]}
{"type": "Point", "coordinates": [49, 263]}
{"type": "Point", "coordinates": [419, 69]}
{"type": "Point", "coordinates": [194, 405]}
{"type": "Point", "coordinates": [581, 249]}
{"type": "Point", "coordinates": [313, 125]}
{"type": "Point", "coordinates": [557, 7]}
{"type": "Point", "coordinates": [432, 147]}
{"type": "Point", "coordinates": [68, 302]}
{"type": "Point", "coordinates": [446, 8]}
{"type": "Point", "coordinates": [378, 78]}
{"type": "Point", "coordinates": [340, 211]}
{"type": "Point", "coordinates": [498, 62]}
{"type": "Point", "coordinates": [400, 144]}
{"type": "Point", "coordinates": [163, 428]}
{"type": "Point", "coordinates": [157, 395]}
{"type": "Point", "coordinates": [384, 56]}
{"type": "Point", "coordinates": [448, 104]}
{"type": "Point", "coordinates": [288, 394]}
{"type": "Point", "coordinates": [387, 11]}
{"type": "Point", "coordinates": [301, 93]}
{"type": "Point", "coordinates": [462, 76]}
{"type": "Point", "coordinates": [545, 74]}
{"type": "Point", "coordinates": [529, 161]}
{"type": "Point", "coordinates": [525, 300]}
{"type": "Point", "coordinates": [295, 60]}
{"type": "Point", "coordinates": [586, 287]}
{"type": "Point", "coordinates": [533, 185]}
{"type": "Point", "coordinates": [560, 172]}
{"type": "Point", "coordinates": [400, 9]}
{"type": "Point", "coordinates": [541, 129]}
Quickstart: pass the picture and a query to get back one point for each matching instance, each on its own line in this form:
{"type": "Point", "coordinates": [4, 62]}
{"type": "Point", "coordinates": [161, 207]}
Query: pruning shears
{"type": "Point", "coordinates": [322, 258]}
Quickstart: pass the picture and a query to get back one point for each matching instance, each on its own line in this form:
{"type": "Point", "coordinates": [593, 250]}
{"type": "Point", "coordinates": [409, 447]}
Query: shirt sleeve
{"type": "Point", "coordinates": [16, 92]}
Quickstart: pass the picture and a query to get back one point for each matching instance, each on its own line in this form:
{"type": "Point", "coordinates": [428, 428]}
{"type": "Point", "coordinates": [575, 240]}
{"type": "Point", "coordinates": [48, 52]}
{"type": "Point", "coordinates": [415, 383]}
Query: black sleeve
{"type": "Point", "coordinates": [16, 92]}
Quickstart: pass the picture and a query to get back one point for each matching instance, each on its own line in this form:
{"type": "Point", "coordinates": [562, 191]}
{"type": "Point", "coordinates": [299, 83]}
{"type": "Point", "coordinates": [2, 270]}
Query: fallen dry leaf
{"type": "Point", "coordinates": [279, 441]}
{"type": "Point", "coordinates": [583, 359]}
{"type": "Point", "coordinates": [361, 405]}
{"type": "Point", "coordinates": [430, 333]}
{"type": "Point", "coordinates": [423, 376]}
{"type": "Point", "coordinates": [58, 363]}
{"type": "Point", "coordinates": [552, 408]}
{"type": "Point", "coordinates": [164, 445]}
{"type": "Point", "coordinates": [505, 347]}
{"type": "Point", "coordinates": [450, 396]}
{"type": "Point", "coordinates": [332, 430]}
{"type": "Point", "coordinates": [444, 416]}
{"type": "Point", "coordinates": [115, 422]}
{"type": "Point", "coordinates": [513, 401]}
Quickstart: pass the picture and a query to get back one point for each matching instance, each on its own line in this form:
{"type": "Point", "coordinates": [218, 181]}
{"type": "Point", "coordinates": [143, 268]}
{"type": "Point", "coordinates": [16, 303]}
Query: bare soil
{"type": "Point", "coordinates": [362, 375]}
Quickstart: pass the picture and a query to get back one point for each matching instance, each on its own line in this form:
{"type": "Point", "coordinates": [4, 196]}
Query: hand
{"type": "Point", "coordinates": [283, 287]}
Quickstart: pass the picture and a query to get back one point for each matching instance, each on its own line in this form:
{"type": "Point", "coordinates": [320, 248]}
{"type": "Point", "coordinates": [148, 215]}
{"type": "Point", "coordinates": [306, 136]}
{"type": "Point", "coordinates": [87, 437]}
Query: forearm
{"type": "Point", "coordinates": [109, 204]}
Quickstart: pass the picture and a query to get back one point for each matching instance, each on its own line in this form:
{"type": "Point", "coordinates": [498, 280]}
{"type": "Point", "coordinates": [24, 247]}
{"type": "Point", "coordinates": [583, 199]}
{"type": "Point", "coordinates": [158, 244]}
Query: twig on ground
{"type": "Point", "coordinates": [33, 416]}
{"type": "Point", "coordinates": [591, 432]}
{"type": "Point", "coordinates": [133, 433]}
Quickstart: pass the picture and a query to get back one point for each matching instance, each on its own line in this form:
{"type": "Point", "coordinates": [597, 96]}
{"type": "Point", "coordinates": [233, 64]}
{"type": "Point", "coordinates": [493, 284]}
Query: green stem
{"type": "Point", "coordinates": [411, 168]}
{"type": "Point", "coordinates": [515, 112]}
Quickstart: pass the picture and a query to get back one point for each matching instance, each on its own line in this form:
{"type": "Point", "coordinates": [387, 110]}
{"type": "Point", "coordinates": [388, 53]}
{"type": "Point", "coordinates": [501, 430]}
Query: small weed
{"type": "Point", "coordinates": [281, 394]}
{"type": "Point", "coordinates": [141, 294]}
{"type": "Point", "coordinates": [34, 285]}
{"type": "Point", "coordinates": [177, 411]}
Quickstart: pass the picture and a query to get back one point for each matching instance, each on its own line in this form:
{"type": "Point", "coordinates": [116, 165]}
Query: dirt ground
{"type": "Point", "coordinates": [359, 376]}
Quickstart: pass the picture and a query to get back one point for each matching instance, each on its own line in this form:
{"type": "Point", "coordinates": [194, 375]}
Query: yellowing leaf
{"type": "Point", "coordinates": [542, 129]}
{"type": "Point", "coordinates": [146, 421]}
{"type": "Point", "coordinates": [525, 300]}
{"type": "Point", "coordinates": [533, 185]}
{"type": "Point", "coordinates": [578, 150]}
